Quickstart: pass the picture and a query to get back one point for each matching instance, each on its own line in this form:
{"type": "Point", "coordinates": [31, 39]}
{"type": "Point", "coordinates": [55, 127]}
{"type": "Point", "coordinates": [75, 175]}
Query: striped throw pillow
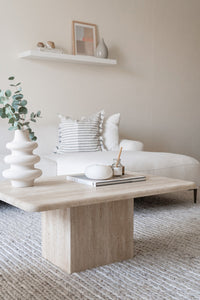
{"type": "Point", "coordinates": [80, 135]}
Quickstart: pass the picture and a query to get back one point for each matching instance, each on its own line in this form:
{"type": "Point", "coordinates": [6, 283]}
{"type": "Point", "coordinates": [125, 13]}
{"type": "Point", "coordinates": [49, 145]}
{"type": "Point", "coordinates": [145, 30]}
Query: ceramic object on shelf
{"type": "Point", "coordinates": [22, 172]}
{"type": "Point", "coordinates": [98, 172]}
{"type": "Point", "coordinates": [101, 50]}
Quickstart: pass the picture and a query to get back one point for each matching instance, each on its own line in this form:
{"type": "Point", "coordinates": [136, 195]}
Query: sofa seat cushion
{"type": "Point", "coordinates": [156, 163]}
{"type": "Point", "coordinates": [47, 165]}
{"type": "Point", "coordinates": [3, 166]}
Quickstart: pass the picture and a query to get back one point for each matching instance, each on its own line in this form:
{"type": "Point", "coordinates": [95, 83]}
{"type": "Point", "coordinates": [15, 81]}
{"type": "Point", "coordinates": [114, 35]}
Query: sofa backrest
{"type": "Point", "coordinates": [5, 137]}
{"type": "Point", "coordinates": [47, 137]}
{"type": "Point", "coordinates": [46, 134]}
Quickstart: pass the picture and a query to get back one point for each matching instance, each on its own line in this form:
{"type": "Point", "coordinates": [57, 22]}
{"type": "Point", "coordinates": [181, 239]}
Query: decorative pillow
{"type": "Point", "coordinates": [111, 132]}
{"type": "Point", "coordinates": [80, 135]}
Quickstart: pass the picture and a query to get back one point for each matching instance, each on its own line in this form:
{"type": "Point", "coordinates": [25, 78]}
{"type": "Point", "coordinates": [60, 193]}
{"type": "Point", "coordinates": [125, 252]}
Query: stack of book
{"type": "Point", "coordinates": [127, 178]}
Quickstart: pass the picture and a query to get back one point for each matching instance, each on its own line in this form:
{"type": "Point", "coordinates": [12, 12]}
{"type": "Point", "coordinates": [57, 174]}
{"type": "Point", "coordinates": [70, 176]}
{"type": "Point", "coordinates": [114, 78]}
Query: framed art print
{"type": "Point", "coordinates": [84, 38]}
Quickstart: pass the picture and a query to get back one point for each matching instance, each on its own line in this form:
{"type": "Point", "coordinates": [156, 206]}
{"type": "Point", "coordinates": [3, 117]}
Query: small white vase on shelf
{"type": "Point", "coordinates": [22, 172]}
{"type": "Point", "coordinates": [101, 50]}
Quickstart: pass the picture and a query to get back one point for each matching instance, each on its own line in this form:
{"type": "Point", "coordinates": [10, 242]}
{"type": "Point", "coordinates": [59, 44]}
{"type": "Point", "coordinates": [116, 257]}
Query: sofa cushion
{"type": "Point", "coordinates": [156, 163]}
{"type": "Point", "coordinates": [111, 132]}
{"type": "Point", "coordinates": [80, 135]}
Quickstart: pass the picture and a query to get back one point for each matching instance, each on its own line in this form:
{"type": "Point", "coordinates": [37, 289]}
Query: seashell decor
{"type": "Point", "coordinates": [40, 44]}
{"type": "Point", "coordinates": [50, 45]}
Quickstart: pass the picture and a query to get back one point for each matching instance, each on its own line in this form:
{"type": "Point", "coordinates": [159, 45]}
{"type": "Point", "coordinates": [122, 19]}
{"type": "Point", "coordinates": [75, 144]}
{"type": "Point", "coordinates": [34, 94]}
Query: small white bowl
{"type": "Point", "coordinates": [98, 172]}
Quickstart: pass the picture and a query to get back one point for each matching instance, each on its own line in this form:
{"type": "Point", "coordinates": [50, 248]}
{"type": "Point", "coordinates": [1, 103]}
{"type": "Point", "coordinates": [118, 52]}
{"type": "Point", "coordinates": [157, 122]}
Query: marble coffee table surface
{"type": "Point", "coordinates": [56, 192]}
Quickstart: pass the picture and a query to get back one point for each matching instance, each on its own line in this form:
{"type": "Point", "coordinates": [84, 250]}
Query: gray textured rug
{"type": "Point", "coordinates": [166, 263]}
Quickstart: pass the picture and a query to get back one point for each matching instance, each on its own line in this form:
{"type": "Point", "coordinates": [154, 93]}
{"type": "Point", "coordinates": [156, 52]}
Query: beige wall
{"type": "Point", "coordinates": [155, 86]}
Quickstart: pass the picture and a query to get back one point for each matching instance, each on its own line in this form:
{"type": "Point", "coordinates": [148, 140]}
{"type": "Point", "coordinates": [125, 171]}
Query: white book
{"type": "Point", "coordinates": [127, 178]}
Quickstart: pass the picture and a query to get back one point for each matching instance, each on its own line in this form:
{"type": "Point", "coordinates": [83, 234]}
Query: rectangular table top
{"type": "Point", "coordinates": [56, 192]}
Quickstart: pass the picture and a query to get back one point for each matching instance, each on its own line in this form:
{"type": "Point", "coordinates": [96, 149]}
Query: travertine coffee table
{"type": "Point", "coordinates": [82, 226]}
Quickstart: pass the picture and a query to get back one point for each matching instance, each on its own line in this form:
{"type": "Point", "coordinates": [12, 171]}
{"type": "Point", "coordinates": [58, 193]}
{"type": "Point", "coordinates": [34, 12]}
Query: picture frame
{"type": "Point", "coordinates": [84, 38]}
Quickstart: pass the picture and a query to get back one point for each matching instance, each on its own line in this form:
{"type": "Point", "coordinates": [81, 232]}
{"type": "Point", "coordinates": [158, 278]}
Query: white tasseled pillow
{"type": "Point", "coordinates": [111, 132]}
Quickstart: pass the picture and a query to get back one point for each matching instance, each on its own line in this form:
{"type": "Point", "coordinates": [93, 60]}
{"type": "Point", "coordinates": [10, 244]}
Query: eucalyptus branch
{"type": "Point", "coordinates": [17, 110]}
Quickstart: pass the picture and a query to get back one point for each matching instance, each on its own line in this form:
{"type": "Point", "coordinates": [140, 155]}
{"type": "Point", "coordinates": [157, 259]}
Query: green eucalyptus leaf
{"type": "Point", "coordinates": [11, 120]}
{"type": "Point", "coordinates": [34, 138]}
{"type": "Point", "coordinates": [8, 93]}
{"type": "Point", "coordinates": [15, 107]}
{"type": "Point", "coordinates": [19, 89]}
{"type": "Point", "coordinates": [2, 99]}
{"type": "Point", "coordinates": [18, 97]}
{"type": "Point", "coordinates": [8, 110]}
{"type": "Point", "coordinates": [16, 117]}
{"type": "Point", "coordinates": [11, 78]}
{"type": "Point", "coordinates": [31, 135]}
{"type": "Point", "coordinates": [18, 84]}
{"type": "Point", "coordinates": [3, 114]}
{"type": "Point", "coordinates": [22, 110]}
{"type": "Point", "coordinates": [23, 103]}
{"type": "Point", "coordinates": [15, 102]}
{"type": "Point", "coordinates": [32, 115]}
{"type": "Point", "coordinates": [33, 120]}
{"type": "Point", "coordinates": [38, 113]}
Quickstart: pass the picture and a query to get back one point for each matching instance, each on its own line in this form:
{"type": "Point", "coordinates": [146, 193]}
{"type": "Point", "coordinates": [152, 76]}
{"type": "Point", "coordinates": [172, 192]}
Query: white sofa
{"type": "Point", "coordinates": [133, 157]}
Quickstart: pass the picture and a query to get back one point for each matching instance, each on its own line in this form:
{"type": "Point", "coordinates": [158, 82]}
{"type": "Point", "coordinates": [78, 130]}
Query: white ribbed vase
{"type": "Point", "coordinates": [22, 172]}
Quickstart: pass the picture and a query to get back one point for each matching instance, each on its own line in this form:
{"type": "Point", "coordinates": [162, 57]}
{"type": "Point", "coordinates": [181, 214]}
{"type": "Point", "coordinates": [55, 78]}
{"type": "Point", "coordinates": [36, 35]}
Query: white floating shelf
{"type": "Point", "coordinates": [82, 59]}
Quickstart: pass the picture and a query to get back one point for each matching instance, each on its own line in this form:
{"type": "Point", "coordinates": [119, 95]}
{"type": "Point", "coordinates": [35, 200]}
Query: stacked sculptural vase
{"type": "Point", "coordinates": [22, 172]}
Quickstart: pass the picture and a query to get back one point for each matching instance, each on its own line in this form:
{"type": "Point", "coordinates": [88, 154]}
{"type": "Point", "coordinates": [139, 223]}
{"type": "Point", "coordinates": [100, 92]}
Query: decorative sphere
{"type": "Point", "coordinates": [98, 172]}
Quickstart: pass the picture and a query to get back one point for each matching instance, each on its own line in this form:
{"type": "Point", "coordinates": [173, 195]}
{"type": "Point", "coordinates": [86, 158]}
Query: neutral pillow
{"type": "Point", "coordinates": [82, 135]}
{"type": "Point", "coordinates": [111, 132]}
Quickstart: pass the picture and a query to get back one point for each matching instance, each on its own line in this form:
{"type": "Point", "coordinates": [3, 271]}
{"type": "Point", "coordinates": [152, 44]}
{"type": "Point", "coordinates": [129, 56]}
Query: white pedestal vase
{"type": "Point", "coordinates": [22, 172]}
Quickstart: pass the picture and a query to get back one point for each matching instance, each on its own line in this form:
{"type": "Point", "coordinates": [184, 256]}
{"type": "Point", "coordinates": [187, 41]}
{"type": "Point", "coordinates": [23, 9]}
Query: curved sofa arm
{"type": "Point", "coordinates": [130, 145]}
